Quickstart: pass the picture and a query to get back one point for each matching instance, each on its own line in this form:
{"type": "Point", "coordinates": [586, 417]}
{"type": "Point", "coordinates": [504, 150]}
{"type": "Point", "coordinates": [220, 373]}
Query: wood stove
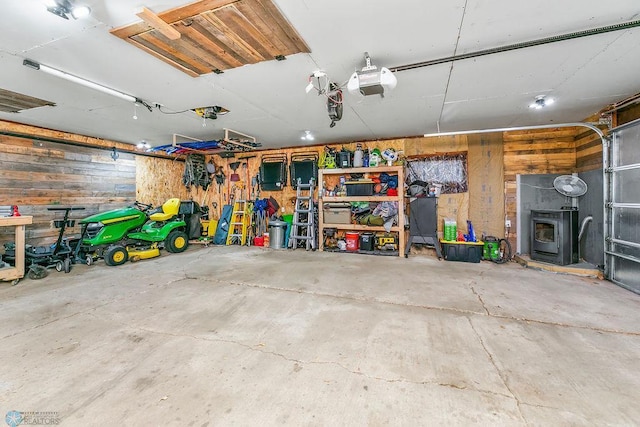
{"type": "Point", "coordinates": [554, 236]}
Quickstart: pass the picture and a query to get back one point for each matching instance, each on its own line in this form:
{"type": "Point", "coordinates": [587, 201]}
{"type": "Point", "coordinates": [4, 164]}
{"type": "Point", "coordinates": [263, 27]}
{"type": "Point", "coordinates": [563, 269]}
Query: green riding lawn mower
{"type": "Point", "coordinates": [138, 232]}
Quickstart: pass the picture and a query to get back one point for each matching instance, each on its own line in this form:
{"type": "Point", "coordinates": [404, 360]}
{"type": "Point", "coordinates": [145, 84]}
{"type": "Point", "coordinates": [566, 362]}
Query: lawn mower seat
{"type": "Point", "coordinates": [169, 210]}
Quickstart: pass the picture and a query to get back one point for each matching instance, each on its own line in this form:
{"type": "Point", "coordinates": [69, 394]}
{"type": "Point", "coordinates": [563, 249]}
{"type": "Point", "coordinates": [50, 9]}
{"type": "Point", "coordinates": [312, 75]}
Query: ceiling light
{"type": "Point", "coordinates": [370, 80]}
{"type": "Point", "coordinates": [79, 80]}
{"type": "Point", "coordinates": [64, 9]}
{"type": "Point", "coordinates": [307, 136]}
{"type": "Point", "coordinates": [540, 102]}
{"type": "Point", "coordinates": [143, 145]}
{"type": "Point", "coordinates": [79, 12]}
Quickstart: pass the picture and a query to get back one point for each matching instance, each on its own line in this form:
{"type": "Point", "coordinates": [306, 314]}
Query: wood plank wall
{"type": "Point", "coordinates": [36, 174]}
{"type": "Point", "coordinates": [588, 151]}
{"type": "Point", "coordinates": [627, 114]}
{"type": "Point", "coordinates": [535, 152]}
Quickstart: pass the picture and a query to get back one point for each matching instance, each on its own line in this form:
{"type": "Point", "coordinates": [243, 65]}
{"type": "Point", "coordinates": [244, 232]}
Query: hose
{"type": "Point", "coordinates": [505, 255]}
{"type": "Point", "coordinates": [583, 226]}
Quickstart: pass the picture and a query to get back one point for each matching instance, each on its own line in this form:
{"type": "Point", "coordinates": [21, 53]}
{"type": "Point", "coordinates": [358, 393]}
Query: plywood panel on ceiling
{"type": "Point", "coordinates": [218, 35]}
{"type": "Point", "coordinates": [13, 102]}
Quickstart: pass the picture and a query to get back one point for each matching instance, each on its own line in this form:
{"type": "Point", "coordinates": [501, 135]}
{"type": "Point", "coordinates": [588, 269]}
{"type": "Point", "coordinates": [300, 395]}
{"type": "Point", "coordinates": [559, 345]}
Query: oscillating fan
{"type": "Point", "coordinates": [570, 186]}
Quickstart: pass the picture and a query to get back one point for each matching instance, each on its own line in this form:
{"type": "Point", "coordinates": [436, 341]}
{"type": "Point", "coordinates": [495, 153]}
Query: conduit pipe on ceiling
{"type": "Point", "coordinates": [605, 158]}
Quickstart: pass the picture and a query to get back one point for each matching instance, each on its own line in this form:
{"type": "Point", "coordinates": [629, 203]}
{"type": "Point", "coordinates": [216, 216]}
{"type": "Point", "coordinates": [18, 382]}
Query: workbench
{"type": "Point", "coordinates": [15, 273]}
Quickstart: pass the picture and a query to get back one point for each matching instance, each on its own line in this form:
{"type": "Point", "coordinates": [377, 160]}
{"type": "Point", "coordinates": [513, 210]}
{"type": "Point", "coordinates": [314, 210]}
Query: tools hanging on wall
{"type": "Point", "coordinates": [195, 172]}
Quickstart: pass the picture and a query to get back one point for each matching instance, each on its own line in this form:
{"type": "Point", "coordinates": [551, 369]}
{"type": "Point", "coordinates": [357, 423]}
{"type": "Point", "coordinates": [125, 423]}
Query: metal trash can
{"type": "Point", "coordinates": [277, 233]}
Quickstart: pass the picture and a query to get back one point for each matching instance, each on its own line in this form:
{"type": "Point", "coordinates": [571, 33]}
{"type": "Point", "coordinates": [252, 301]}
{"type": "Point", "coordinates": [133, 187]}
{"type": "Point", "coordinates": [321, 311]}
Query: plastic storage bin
{"type": "Point", "coordinates": [337, 213]}
{"type": "Point", "coordinates": [462, 251]}
{"type": "Point", "coordinates": [355, 188]}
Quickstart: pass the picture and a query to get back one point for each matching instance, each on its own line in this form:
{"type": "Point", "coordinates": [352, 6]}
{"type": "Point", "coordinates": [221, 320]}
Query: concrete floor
{"type": "Point", "coordinates": [252, 336]}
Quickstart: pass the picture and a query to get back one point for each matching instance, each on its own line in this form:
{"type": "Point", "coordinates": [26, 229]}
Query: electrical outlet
{"type": "Point", "coordinates": [507, 223]}
{"type": "Point", "coordinates": [282, 209]}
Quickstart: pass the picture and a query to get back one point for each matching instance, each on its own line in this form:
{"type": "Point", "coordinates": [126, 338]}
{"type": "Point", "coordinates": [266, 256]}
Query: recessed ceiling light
{"type": "Point", "coordinates": [540, 102]}
{"type": "Point", "coordinates": [79, 12]}
{"type": "Point", "coordinates": [307, 136]}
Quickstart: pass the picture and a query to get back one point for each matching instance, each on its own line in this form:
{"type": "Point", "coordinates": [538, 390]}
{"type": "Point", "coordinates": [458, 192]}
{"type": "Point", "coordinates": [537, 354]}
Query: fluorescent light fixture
{"type": "Point", "coordinates": [79, 80]}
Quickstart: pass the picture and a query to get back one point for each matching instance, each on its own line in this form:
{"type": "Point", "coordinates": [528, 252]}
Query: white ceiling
{"type": "Point", "coordinates": [268, 100]}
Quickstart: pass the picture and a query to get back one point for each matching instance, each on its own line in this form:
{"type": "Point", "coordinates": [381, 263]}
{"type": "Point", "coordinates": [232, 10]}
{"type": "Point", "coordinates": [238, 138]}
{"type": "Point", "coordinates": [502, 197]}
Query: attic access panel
{"type": "Point", "coordinates": [218, 35]}
{"type": "Point", "coordinates": [14, 102]}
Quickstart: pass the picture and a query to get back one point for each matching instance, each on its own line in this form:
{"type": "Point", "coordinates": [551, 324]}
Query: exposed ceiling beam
{"type": "Point", "coordinates": [156, 22]}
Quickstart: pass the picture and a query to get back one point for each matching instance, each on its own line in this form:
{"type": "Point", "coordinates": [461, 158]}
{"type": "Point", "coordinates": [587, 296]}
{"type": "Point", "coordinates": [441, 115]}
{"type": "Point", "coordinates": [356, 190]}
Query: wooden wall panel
{"type": "Point", "coordinates": [158, 180]}
{"type": "Point", "coordinates": [435, 145]}
{"type": "Point", "coordinates": [535, 152]}
{"type": "Point", "coordinates": [486, 183]}
{"type": "Point", "coordinates": [627, 114]}
{"type": "Point", "coordinates": [588, 151]}
{"type": "Point", "coordinates": [36, 174]}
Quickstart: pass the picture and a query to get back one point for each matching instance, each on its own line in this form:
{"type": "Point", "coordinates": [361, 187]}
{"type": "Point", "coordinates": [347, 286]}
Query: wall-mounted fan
{"type": "Point", "coordinates": [570, 186]}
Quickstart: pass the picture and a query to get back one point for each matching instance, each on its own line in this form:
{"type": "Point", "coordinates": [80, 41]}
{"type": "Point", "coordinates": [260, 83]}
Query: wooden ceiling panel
{"type": "Point", "coordinates": [14, 102]}
{"type": "Point", "coordinates": [236, 43]}
{"type": "Point", "coordinates": [218, 35]}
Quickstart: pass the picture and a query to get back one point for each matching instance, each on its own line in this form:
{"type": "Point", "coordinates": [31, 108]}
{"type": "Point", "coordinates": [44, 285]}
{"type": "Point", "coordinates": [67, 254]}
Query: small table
{"type": "Point", "coordinates": [16, 273]}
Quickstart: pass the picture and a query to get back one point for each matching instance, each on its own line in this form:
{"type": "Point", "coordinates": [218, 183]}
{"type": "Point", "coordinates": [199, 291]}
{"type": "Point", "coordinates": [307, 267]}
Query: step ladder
{"type": "Point", "coordinates": [303, 227]}
{"type": "Point", "coordinates": [239, 224]}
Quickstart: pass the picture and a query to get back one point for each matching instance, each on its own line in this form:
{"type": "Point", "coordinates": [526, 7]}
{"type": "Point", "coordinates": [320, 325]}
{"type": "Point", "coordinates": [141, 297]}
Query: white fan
{"type": "Point", "coordinates": [570, 185]}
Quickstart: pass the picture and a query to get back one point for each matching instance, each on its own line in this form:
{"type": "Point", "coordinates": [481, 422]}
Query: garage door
{"type": "Point", "coordinates": [622, 206]}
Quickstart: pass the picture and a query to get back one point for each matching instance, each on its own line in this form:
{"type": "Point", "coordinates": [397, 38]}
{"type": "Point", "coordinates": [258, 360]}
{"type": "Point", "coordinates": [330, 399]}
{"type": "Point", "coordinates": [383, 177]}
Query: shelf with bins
{"type": "Point", "coordinates": [392, 170]}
